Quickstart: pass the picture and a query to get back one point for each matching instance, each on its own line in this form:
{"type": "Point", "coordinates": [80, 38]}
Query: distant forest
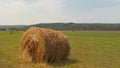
{"type": "Point", "coordinates": [65, 26]}
{"type": "Point", "coordinates": [79, 26]}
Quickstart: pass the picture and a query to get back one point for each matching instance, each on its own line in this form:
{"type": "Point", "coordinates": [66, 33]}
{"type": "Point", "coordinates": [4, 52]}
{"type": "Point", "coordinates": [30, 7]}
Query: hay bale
{"type": "Point", "coordinates": [41, 45]}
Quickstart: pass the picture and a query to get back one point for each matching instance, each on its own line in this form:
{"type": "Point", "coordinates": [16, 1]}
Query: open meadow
{"type": "Point", "coordinates": [89, 49]}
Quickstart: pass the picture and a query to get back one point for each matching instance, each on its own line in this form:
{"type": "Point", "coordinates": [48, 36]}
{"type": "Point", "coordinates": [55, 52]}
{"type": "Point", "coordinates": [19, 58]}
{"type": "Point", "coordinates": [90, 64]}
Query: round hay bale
{"type": "Point", "coordinates": [42, 45]}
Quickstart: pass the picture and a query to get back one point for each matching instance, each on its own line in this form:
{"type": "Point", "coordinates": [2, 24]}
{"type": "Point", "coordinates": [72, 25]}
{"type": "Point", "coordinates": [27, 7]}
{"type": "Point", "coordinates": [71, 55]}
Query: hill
{"type": "Point", "coordinates": [79, 26]}
{"type": "Point", "coordinates": [66, 26]}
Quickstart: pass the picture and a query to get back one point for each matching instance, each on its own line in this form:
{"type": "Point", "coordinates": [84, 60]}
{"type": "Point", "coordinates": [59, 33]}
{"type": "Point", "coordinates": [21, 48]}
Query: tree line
{"type": "Point", "coordinates": [79, 26]}
{"type": "Point", "coordinates": [66, 26]}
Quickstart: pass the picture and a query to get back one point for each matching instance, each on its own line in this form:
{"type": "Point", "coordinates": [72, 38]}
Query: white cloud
{"type": "Point", "coordinates": [20, 12]}
{"type": "Point", "coordinates": [25, 12]}
{"type": "Point", "coordinates": [112, 1]}
{"type": "Point", "coordinates": [101, 15]}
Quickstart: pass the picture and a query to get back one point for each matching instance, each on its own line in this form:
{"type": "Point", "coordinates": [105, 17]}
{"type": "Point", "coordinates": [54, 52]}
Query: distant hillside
{"type": "Point", "coordinates": [79, 26]}
{"type": "Point", "coordinates": [66, 26]}
{"type": "Point", "coordinates": [16, 27]}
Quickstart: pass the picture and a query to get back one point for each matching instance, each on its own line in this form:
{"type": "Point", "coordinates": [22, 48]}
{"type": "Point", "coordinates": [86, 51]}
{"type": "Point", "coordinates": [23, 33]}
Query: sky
{"type": "Point", "coordinates": [26, 12]}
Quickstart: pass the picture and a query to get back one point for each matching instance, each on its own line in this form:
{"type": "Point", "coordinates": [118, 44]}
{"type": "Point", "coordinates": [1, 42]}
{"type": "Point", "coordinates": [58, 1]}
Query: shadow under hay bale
{"type": "Point", "coordinates": [41, 45]}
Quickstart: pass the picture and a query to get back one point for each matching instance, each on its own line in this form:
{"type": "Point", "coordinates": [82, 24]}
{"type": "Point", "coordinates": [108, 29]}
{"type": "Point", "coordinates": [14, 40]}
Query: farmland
{"type": "Point", "coordinates": [89, 49]}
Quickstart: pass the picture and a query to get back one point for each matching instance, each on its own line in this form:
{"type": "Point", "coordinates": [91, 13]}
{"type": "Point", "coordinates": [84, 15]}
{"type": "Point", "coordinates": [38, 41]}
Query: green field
{"type": "Point", "coordinates": [89, 49]}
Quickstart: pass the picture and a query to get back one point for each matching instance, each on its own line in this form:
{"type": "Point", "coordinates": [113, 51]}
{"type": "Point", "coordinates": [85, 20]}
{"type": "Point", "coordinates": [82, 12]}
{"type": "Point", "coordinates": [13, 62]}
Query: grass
{"type": "Point", "coordinates": [88, 50]}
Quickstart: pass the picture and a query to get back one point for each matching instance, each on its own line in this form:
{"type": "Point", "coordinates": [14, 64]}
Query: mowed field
{"type": "Point", "coordinates": [89, 49]}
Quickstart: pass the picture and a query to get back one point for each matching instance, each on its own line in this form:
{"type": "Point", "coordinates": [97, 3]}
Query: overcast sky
{"type": "Point", "coordinates": [28, 12]}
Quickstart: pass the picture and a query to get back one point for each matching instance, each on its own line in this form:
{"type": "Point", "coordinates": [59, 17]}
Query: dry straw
{"type": "Point", "coordinates": [40, 45]}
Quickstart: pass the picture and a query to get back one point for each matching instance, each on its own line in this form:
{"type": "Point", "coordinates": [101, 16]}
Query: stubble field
{"type": "Point", "coordinates": [89, 49]}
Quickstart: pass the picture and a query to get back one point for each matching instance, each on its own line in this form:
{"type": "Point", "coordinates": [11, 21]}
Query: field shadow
{"type": "Point", "coordinates": [66, 62]}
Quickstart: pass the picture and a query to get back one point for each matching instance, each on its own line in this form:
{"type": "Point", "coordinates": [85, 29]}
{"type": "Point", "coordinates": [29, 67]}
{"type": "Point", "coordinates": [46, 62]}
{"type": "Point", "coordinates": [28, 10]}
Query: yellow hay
{"type": "Point", "coordinates": [41, 45]}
